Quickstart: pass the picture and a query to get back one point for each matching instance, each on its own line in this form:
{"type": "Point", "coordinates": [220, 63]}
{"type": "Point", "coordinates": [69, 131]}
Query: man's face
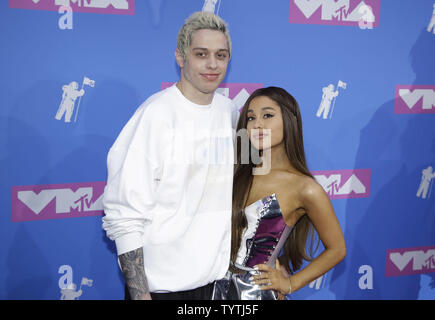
{"type": "Point", "coordinates": [206, 62]}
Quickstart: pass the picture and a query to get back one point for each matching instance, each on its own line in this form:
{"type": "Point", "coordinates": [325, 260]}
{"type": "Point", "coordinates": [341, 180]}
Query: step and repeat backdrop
{"type": "Point", "coordinates": [74, 71]}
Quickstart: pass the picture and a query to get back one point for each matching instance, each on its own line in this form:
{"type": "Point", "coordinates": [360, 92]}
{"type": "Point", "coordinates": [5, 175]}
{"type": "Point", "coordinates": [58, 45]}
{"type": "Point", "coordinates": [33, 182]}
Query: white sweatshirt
{"type": "Point", "coordinates": [169, 189]}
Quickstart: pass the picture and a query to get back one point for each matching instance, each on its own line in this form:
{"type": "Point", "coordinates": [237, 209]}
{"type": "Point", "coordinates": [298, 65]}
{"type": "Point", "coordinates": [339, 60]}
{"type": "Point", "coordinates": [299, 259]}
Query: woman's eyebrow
{"type": "Point", "coordinates": [264, 108]}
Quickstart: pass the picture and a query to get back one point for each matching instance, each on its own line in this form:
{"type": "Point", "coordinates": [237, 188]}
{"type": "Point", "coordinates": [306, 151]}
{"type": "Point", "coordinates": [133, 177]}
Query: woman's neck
{"type": "Point", "coordinates": [273, 159]}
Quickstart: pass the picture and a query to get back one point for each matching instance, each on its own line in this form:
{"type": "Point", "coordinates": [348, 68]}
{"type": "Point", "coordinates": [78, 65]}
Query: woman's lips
{"type": "Point", "coordinates": [259, 136]}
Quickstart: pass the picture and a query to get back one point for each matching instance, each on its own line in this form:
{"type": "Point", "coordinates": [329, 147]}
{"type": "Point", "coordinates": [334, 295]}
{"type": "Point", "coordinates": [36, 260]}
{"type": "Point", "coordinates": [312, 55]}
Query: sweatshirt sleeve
{"type": "Point", "coordinates": [235, 115]}
{"type": "Point", "coordinates": [134, 165]}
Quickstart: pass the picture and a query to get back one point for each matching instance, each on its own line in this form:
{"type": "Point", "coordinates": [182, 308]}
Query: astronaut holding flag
{"type": "Point", "coordinates": [328, 95]}
{"type": "Point", "coordinates": [69, 96]}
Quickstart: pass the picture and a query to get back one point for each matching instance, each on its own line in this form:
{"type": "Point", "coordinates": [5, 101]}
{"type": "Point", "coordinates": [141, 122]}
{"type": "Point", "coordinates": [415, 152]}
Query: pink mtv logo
{"type": "Point", "coordinates": [405, 261]}
{"type": "Point", "coordinates": [344, 184]}
{"type": "Point", "coordinates": [331, 12]}
{"type": "Point", "coordinates": [414, 99]}
{"type": "Point", "coordinates": [238, 92]}
{"type": "Point", "coordinates": [90, 6]}
{"type": "Point", "coordinates": [54, 201]}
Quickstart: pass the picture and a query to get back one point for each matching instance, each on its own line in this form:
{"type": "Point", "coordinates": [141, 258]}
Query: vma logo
{"type": "Point", "coordinates": [414, 99]}
{"type": "Point", "coordinates": [54, 201]}
{"type": "Point", "coordinates": [344, 184]}
{"type": "Point", "coordinates": [238, 92]}
{"type": "Point", "coordinates": [402, 262]}
{"type": "Point", "coordinates": [364, 14]}
{"type": "Point", "coordinates": [91, 6]}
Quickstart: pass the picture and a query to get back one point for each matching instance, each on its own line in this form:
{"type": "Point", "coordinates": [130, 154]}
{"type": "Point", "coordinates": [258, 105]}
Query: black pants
{"type": "Point", "coordinates": [201, 293]}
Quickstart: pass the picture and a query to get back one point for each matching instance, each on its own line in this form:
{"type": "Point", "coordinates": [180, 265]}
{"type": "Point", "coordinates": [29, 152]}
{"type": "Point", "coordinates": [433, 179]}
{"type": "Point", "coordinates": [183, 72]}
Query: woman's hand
{"type": "Point", "coordinates": [272, 279]}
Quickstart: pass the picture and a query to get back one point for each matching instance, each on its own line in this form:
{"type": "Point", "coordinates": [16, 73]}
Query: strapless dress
{"type": "Point", "coordinates": [262, 242]}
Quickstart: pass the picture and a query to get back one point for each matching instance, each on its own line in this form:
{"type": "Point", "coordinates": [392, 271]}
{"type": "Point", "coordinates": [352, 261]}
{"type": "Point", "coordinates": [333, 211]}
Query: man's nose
{"type": "Point", "coordinates": [212, 62]}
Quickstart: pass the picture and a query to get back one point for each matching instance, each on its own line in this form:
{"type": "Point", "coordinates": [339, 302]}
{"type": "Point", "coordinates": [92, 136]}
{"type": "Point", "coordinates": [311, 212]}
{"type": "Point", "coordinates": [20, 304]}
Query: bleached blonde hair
{"type": "Point", "coordinates": [197, 21]}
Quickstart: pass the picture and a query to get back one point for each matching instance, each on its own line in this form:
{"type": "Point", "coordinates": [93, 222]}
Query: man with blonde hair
{"type": "Point", "coordinates": [167, 200]}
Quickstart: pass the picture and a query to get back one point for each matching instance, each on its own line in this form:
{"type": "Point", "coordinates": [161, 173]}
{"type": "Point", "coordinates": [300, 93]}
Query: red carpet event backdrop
{"type": "Point", "coordinates": [73, 73]}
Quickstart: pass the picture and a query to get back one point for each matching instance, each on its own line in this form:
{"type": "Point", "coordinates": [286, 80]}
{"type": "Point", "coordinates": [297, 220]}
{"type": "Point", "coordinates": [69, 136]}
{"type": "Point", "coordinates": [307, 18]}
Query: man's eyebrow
{"type": "Point", "coordinates": [206, 49]}
{"type": "Point", "coordinates": [264, 108]}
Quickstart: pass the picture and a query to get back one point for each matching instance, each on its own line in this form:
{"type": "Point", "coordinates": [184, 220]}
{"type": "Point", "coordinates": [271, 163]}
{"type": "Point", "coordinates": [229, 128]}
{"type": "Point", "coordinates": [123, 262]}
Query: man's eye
{"type": "Point", "coordinates": [200, 54]}
{"type": "Point", "coordinates": [222, 55]}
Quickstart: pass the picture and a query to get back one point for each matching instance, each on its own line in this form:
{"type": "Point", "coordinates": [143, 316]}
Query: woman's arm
{"type": "Point", "coordinates": [322, 215]}
{"type": "Point", "coordinates": [319, 209]}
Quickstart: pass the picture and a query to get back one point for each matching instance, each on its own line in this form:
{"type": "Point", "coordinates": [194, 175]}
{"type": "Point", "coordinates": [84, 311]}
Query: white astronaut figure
{"type": "Point", "coordinates": [431, 26]}
{"type": "Point", "coordinates": [69, 96]}
{"type": "Point", "coordinates": [325, 105]}
{"type": "Point", "coordinates": [70, 293]}
{"type": "Point", "coordinates": [426, 176]}
{"type": "Point", "coordinates": [209, 5]}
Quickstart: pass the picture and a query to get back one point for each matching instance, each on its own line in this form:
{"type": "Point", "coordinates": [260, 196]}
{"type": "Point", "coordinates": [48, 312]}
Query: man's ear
{"type": "Point", "coordinates": [179, 58]}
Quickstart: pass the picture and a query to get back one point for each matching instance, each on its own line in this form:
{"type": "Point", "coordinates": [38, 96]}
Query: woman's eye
{"type": "Point", "coordinates": [250, 118]}
{"type": "Point", "coordinates": [268, 115]}
{"type": "Point", "coordinates": [200, 54]}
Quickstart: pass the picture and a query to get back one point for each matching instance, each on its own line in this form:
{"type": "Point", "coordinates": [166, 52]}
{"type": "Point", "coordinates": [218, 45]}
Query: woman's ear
{"type": "Point", "coordinates": [179, 58]}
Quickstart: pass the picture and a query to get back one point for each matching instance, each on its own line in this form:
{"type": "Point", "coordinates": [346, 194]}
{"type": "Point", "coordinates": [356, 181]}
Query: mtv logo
{"type": "Point", "coordinates": [401, 262]}
{"type": "Point", "coordinates": [344, 184]}
{"type": "Point", "coordinates": [117, 4]}
{"type": "Point", "coordinates": [413, 99]}
{"type": "Point", "coordinates": [123, 7]}
{"type": "Point", "coordinates": [238, 92]}
{"type": "Point", "coordinates": [42, 202]}
{"type": "Point", "coordinates": [335, 12]}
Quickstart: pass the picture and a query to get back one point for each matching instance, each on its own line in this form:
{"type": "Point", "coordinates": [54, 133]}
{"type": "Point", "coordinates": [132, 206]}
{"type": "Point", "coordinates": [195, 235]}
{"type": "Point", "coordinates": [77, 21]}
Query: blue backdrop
{"type": "Point", "coordinates": [374, 153]}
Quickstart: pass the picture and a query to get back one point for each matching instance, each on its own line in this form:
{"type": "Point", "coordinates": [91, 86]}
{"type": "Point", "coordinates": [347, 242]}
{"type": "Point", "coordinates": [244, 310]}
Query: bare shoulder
{"type": "Point", "coordinates": [295, 181]}
{"type": "Point", "coordinates": [310, 189]}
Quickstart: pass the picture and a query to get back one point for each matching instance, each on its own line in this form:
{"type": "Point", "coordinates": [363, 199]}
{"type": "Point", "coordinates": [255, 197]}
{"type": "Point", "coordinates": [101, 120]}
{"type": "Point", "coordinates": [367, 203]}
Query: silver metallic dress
{"type": "Point", "coordinates": [262, 242]}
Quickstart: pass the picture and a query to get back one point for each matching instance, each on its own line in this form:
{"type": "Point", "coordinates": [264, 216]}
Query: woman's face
{"type": "Point", "coordinates": [264, 123]}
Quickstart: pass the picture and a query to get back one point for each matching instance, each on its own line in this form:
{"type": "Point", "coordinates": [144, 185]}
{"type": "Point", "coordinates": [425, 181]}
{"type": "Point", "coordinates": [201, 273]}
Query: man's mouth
{"type": "Point", "coordinates": [210, 76]}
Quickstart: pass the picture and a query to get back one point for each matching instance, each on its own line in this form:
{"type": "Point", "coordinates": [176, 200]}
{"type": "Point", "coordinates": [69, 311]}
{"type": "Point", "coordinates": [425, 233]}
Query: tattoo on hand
{"type": "Point", "coordinates": [132, 265]}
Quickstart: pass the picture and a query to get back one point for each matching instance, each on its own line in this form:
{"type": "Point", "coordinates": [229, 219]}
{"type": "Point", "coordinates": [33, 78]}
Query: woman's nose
{"type": "Point", "coordinates": [258, 124]}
